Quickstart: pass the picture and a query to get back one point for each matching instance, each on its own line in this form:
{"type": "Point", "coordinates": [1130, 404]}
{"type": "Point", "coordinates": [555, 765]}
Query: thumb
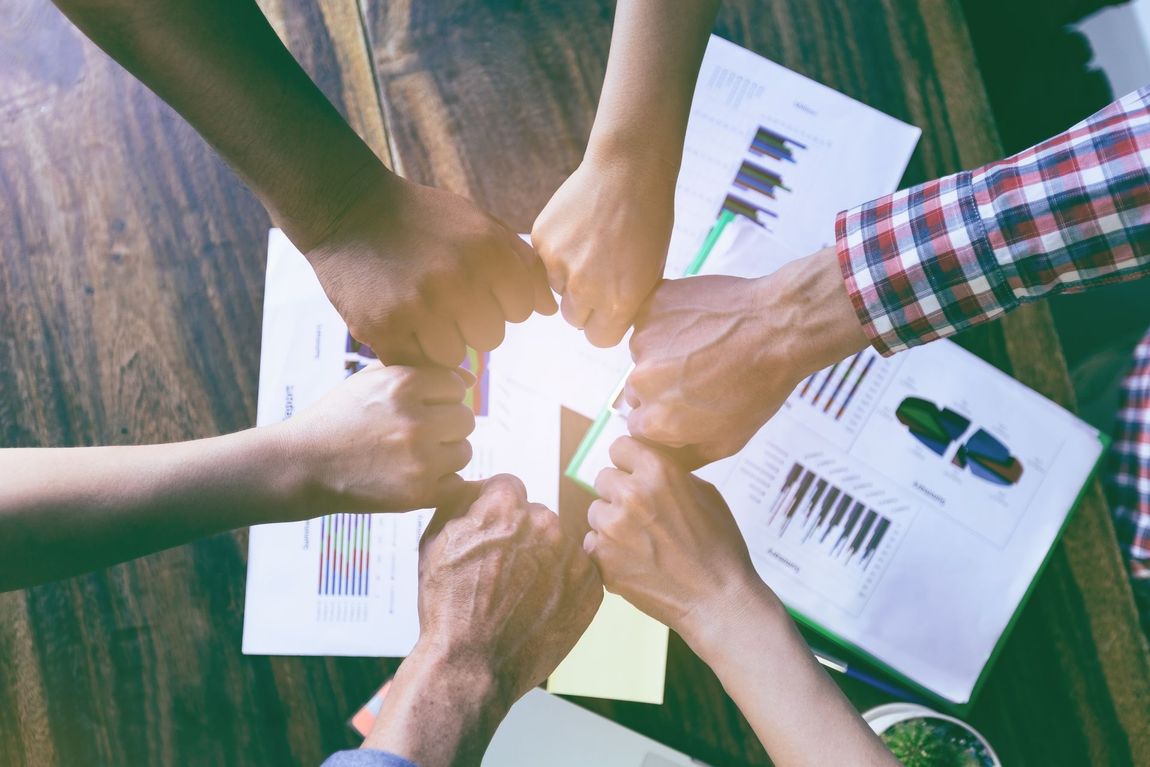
{"type": "Point", "coordinates": [454, 503]}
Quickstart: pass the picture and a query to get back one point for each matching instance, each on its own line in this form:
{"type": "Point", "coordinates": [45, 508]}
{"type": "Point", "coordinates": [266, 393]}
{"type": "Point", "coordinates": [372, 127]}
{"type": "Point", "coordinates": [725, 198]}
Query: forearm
{"type": "Point", "coordinates": [438, 713]}
{"type": "Point", "coordinates": [799, 714]}
{"type": "Point", "coordinates": [65, 511]}
{"type": "Point", "coordinates": [805, 317]}
{"type": "Point", "coordinates": [220, 65]}
{"type": "Point", "coordinates": [654, 61]}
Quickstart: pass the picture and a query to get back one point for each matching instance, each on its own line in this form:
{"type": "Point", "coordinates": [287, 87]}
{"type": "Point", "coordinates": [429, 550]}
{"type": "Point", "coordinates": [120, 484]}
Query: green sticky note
{"type": "Point", "coordinates": [621, 656]}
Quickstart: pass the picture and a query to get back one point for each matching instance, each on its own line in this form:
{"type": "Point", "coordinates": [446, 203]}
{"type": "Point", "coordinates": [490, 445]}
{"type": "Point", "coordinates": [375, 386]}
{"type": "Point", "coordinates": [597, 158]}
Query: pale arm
{"type": "Point", "coordinates": [386, 439]}
{"type": "Point", "coordinates": [605, 233]}
{"type": "Point", "coordinates": [65, 511]}
{"type": "Point", "coordinates": [799, 714]}
{"type": "Point", "coordinates": [668, 543]}
{"type": "Point", "coordinates": [654, 61]}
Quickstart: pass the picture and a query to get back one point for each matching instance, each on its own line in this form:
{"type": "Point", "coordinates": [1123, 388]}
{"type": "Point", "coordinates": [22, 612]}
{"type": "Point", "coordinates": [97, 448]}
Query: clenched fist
{"type": "Point", "coordinates": [419, 273]}
{"type": "Point", "coordinates": [604, 238]}
{"type": "Point", "coordinates": [386, 439]}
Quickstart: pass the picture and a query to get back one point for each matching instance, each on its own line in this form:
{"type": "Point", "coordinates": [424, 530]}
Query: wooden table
{"type": "Point", "coordinates": [131, 277]}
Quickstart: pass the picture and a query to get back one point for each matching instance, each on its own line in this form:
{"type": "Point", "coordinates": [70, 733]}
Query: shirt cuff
{"type": "Point", "coordinates": [366, 757]}
{"type": "Point", "coordinates": [918, 265]}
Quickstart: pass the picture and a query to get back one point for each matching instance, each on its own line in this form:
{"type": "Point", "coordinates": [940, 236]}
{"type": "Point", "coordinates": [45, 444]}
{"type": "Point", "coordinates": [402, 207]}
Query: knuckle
{"type": "Point", "coordinates": [505, 489]}
{"type": "Point", "coordinates": [628, 497]}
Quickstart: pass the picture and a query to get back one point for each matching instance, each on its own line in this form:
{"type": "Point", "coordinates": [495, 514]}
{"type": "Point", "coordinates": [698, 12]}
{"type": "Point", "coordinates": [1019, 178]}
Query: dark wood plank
{"type": "Point", "coordinates": [495, 101]}
{"type": "Point", "coordinates": [131, 282]}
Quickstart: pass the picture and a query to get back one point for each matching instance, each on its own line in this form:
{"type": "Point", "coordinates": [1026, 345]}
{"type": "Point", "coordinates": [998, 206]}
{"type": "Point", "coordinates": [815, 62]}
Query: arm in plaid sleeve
{"type": "Point", "coordinates": [1130, 465]}
{"type": "Point", "coordinates": [1069, 213]}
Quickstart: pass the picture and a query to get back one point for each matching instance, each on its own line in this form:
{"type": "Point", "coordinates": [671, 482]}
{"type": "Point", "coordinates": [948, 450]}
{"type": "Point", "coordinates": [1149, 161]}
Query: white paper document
{"type": "Point", "coordinates": [780, 149]}
{"type": "Point", "coordinates": [903, 505]}
{"type": "Point", "coordinates": [346, 584]}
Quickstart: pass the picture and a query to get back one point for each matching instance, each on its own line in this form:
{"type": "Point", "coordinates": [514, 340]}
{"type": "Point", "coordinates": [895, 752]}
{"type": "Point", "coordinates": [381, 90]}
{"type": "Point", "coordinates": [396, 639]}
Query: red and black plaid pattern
{"type": "Point", "coordinates": [1130, 465]}
{"type": "Point", "coordinates": [1069, 213]}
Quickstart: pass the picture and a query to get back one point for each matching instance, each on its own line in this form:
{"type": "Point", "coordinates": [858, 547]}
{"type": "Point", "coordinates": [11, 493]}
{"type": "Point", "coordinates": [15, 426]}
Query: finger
{"type": "Point", "coordinates": [628, 453]}
{"type": "Point", "coordinates": [515, 291]}
{"type": "Point", "coordinates": [574, 312]}
{"type": "Point", "coordinates": [609, 483]}
{"type": "Point", "coordinates": [516, 304]}
{"type": "Point", "coordinates": [438, 386]}
{"type": "Point", "coordinates": [601, 515]}
{"type": "Point", "coordinates": [504, 489]}
{"type": "Point", "coordinates": [400, 350]}
{"type": "Point", "coordinates": [466, 376]}
{"type": "Point", "coordinates": [606, 329]}
{"type": "Point", "coordinates": [454, 457]}
{"type": "Point", "coordinates": [537, 274]}
{"type": "Point", "coordinates": [547, 522]}
{"type": "Point", "coordinates": [481, 321]}
{"type": "Point", "coordinates": [630, 395]}
{"type": "Point", "coordinates": [591, 545]}
{"type": "Point", "coordinates": [449, 423]}
{"type": "Point", "coordinates": [457, 498]}
{"type": "Point", "coordinates": [539, 507]}
{"type": "Point", "coordinates": [654, 424]}
{"type": "Point", "coordinates": [440, 341]}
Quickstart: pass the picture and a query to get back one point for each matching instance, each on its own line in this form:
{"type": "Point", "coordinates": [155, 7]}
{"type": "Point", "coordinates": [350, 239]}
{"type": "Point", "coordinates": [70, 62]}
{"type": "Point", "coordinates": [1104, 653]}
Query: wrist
{"type": "Point", "coordinates": [330, 200]}
{"type": "Point", "coordinates": [440, 710]}
{"type": "Point", "coordinates": [708, 626]}
{"type": "Point", "coordinates": [636, 156]}
{"type": "Point", "coordinates": [285, 471]}
{"type": "Point", "coordinates": [808, 320]}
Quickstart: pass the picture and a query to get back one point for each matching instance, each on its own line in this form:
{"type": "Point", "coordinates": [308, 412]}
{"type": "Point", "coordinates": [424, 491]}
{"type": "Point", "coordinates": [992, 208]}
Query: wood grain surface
{"type": "Point", "coordinates": [131, 279]}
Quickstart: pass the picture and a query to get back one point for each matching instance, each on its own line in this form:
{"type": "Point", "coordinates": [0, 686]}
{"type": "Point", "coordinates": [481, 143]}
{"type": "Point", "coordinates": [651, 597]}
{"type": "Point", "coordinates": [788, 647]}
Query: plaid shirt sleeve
{"type": "Point", "coordinates": [1067, 214]}
{"type": "Point", "coordinates": [1129, 477]}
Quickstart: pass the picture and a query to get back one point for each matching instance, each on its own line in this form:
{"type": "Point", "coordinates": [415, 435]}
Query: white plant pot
{"type": "Point", "coordinates": [882, 718]}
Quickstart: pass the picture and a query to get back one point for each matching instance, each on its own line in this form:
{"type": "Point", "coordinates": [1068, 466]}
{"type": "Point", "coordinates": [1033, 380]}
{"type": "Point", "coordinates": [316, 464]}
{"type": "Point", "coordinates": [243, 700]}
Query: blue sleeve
{"type": "Point", "coordinates": [366, 757]}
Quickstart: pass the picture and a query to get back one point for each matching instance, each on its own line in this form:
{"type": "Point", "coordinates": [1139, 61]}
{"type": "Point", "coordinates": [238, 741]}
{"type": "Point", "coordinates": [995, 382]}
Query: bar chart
{"type": "Point", "coordinates": [838, 400]}
{"type": "Point", "coordinates": [768, 143]}
{"type": "Point", "coordinates": [756, 184]}
{"type": "Point", "coordinates": [829, 530]}
{"type": "Point", "coordinates": [822, 516]}
{"type": "Point", "coordinates": [345, 555]}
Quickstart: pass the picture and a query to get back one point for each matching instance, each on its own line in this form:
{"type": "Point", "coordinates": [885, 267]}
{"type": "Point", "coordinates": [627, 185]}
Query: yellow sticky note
{"type": "Point", "coordinates": [621, 656]}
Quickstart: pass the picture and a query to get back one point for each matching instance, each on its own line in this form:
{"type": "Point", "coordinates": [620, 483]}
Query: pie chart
{"type": "Point", "coordinates": [939, 427]}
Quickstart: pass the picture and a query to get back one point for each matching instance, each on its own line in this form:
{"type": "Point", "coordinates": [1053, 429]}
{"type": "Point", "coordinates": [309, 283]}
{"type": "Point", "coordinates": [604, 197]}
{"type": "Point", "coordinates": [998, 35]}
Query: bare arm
{"type": "Point", "coordinates": [388, 439]}
{"type": "Point", "coordinates": [64, 511]}
{"type": "Point", "coordinates": [220, 65]}
{"type": "Point", "coordinates": [798, 712]}
{"type": "Point", "coordinates": [415, 272]}
{"type": "Point", "coordinates": [503, 597]}
{"type": "Point", "coordinates": [667, 542]}
{"type": "Point", "coordinates": [604, 235]}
